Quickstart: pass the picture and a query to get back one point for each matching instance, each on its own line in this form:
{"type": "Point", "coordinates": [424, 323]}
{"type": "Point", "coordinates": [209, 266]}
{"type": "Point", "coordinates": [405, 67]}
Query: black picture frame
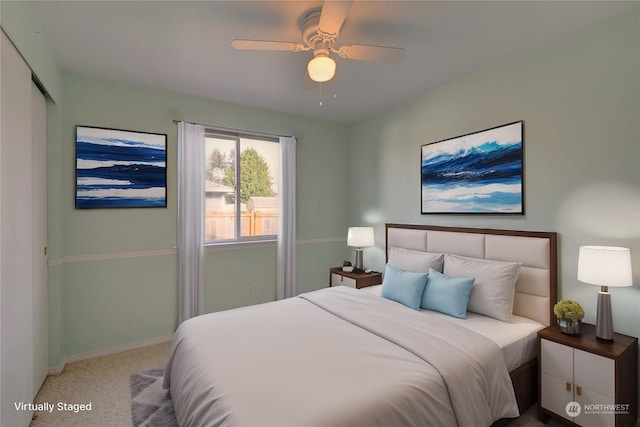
{"type": "Point", "coordinates": [477, 173]}
{"type": "Point", "coordinates": [118, 168]}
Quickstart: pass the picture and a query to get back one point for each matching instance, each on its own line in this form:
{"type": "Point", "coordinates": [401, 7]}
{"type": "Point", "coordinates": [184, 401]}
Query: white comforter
{"type": "Point", "coordinates": [332, 358]}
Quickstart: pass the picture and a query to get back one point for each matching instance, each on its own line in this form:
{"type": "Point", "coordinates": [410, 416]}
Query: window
{"type": "Point", "coordinates": [248, 211]}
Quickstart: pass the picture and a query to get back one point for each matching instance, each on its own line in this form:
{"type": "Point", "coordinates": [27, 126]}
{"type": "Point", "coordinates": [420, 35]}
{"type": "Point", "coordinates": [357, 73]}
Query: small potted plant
{"type": "Point", "coordinates": [569, 314]}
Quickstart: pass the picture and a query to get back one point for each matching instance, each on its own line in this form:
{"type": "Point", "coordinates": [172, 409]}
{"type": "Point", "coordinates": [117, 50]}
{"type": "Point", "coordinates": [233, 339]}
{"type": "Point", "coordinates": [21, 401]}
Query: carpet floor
{"type": "Point", "coordinates": [102, 381]}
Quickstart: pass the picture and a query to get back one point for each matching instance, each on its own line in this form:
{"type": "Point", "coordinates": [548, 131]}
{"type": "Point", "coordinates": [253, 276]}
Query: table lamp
{"type": "Point", "coordinates": [360, 237]}
{"type": "Point", "coordinates": [604, 266]}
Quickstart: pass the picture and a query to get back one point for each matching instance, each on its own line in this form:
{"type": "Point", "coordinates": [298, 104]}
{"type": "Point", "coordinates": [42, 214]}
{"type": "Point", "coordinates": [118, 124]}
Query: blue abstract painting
{"type": "Point", "coordinates": [120, 169]}
{"type": "Point", "coordinates": [476, 173]}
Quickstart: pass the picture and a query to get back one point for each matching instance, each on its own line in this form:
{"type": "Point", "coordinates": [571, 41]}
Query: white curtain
{"type": "Point", "coordinates": [191, 176]}
{"type": "Point", "coordinates": [286, 279]}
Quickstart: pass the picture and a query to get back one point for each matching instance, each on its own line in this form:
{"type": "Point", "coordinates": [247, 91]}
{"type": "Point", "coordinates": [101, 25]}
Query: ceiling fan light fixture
{"type": "Point", "coordinates": [321, 68]}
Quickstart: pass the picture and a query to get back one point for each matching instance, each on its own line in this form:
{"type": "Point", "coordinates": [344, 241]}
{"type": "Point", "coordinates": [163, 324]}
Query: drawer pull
{"type": "Point", "coordinates": [568, 386]}
{"type": "Point", "coordinates": [579, 390]}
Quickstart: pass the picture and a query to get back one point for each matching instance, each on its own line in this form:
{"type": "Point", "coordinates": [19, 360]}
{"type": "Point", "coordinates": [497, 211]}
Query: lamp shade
{"type": "Point", "coordinates": [605, 266]}
{"type": "Point", "coordinates": [360, 237]}
{"type": "Point", "coordinates": [321, 68]}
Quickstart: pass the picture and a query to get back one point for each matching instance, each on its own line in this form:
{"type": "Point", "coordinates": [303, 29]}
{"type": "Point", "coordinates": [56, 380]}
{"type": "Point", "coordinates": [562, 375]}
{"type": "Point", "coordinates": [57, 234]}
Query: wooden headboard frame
{"type": "Point", "coordinates": [536, 288]}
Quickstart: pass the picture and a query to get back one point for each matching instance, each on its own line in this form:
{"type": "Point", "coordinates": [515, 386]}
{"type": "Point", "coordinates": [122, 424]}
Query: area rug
{"type": "Point", "coordinates": [151, 405]}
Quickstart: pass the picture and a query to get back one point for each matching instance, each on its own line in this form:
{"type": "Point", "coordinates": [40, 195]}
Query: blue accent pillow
{"type": "Point", "coordinates": [402, 286]}
{"type": "Point", "coordinates": [446, 294]}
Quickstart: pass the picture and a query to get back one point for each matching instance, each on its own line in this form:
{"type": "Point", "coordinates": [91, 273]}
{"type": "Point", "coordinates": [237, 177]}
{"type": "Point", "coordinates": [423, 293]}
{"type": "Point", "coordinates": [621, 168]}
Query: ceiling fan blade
{"type": "Point", "coordinates": [364, 52]}
{"type": "Point", "coordinates": [266, 45]}
{"type": "Point", "coordinates": [333, 15]}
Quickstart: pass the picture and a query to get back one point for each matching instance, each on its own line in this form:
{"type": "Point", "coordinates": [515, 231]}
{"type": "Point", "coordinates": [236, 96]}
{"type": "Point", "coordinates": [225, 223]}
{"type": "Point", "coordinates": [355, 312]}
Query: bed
{"type": "Point", "coordinates": [345, 357]}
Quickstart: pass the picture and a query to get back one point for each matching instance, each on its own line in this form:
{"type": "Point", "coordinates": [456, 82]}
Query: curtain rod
{"type": "Point", "coordinates": [223, 129]}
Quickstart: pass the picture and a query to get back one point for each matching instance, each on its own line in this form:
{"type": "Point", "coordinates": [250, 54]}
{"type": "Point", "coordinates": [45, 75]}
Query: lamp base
{"type": "Point", "coordinates": [604, 320]}
{"type": "Point", "coordinates": [359, 267]}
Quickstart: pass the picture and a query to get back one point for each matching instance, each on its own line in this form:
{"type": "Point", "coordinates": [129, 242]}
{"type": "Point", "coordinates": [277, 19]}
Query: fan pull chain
{"type": "Point", "coordinates": [335, 91]}
{"type": "Point", "coordinates": [335, 86]}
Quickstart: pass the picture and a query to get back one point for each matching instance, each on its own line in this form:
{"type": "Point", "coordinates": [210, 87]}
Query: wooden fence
{"type": "Point", "coordinates": [221, 225]}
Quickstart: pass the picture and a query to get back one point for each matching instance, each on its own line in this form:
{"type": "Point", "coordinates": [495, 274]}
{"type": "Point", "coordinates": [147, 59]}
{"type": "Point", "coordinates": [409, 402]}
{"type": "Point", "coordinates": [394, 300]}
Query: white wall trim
{"type": "Point", "coordinates": [53, 370]}
{"type": "Point", "coordinates": [321, 240]}
{"type": "Point", "coordinates": [111, 256]}
{"type": "Point", "coordinates": [56, 262]}
{"type": "Point", "coordinates": [253, 244]}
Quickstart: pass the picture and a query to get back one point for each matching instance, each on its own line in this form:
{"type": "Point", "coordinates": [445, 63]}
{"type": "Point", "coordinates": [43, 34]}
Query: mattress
{"type": "Point", "coordinates": [517, 339]}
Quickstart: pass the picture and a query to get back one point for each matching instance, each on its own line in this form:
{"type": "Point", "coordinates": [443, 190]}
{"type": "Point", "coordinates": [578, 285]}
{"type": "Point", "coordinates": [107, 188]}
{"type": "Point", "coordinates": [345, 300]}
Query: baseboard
{"type": "Point", "coordinates": [53, 370]}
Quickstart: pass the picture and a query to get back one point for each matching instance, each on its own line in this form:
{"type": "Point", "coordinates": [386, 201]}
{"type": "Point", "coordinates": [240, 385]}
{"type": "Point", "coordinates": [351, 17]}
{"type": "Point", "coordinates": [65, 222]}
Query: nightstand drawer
{"type": "Point", "coordinates": [556, 393]}
{"type": "Point", "coordinates": [338, 277]}
{"type": "Point", "coordinates": [339, 280]}
{"type": "Point", "coordinates": [557, 360]}
{"type": "Point", "coordinates": [595, 372]}
{"type": "Point", "coordinates": [591, 415]}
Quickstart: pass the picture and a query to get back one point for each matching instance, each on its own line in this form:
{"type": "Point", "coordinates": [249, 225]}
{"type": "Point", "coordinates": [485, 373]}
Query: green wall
{"type": "Point", "coordinates": [115, 270]}
{"type": "Point", "coordinates": [580, 100]}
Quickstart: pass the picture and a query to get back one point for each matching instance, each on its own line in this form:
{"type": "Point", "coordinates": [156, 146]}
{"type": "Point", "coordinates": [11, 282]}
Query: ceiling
{"type": "Point", "coordinates": [184, 46]}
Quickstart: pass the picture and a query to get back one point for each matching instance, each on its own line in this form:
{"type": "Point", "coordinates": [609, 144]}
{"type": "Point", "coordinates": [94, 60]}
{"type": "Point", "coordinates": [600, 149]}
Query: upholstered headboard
{"type": "Point", "coordinates": [535, 293]}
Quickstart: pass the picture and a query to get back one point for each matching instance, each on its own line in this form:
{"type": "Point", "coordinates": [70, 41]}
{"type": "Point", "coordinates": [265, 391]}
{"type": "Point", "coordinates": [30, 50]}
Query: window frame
{"type": "Point", "coordinates": [210, 132]}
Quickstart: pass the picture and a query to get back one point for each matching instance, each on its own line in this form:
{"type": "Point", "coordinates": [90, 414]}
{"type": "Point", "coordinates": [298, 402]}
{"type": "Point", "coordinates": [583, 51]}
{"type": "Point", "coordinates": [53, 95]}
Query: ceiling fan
{"type": "Point", "coordinates": [320, 33]}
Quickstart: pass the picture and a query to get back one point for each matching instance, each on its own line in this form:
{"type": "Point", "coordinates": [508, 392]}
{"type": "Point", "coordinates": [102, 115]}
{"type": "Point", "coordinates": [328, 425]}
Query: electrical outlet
{"type": "Point", "coordinates": [255, 288]}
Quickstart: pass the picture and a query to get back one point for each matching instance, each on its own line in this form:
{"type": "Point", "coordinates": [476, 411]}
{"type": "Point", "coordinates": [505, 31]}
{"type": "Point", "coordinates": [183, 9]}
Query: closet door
{"type": "Point", "coordinates": [20, 268]}
{"type": "Point", "coordinates": [38, 250]}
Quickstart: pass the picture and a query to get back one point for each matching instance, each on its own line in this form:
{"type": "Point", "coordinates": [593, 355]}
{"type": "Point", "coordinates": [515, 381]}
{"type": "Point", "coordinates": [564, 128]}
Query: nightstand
{"type": "Point", "coordinates": [354, 280]}
{"type": "Point", "coordinates": [599, 378]}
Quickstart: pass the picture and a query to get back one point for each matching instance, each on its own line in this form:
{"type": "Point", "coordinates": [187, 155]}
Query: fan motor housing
{"type": "Point", "coordinates": [309, 26]}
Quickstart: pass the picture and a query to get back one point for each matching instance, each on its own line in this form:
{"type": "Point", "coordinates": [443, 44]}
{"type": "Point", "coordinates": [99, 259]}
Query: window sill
{"type": "Point", "coordinates": [240, 244]}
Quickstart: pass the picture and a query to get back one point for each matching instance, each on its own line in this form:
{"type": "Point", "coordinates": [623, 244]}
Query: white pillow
{"type": "Point", "coordinates": [494, 288]}
{"type": "Point", "coordinates": [415, 261]}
